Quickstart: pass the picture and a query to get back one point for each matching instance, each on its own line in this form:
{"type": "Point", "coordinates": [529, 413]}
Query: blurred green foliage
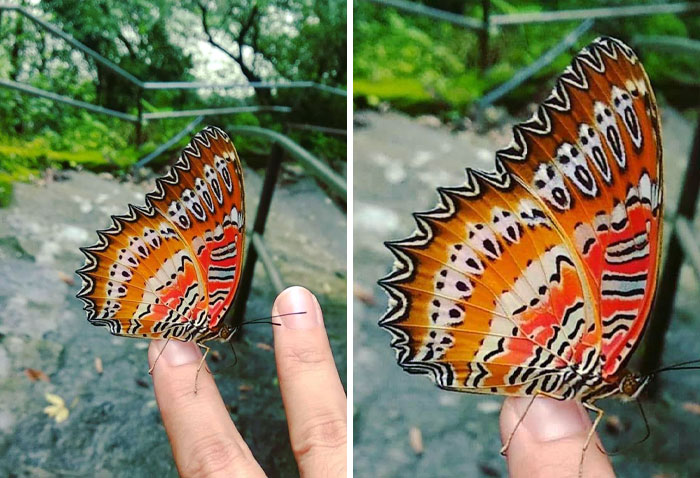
{"type": "Point", "coordinates": [422, 65]}
{"type": "Point", "coordinates": [153, 40]}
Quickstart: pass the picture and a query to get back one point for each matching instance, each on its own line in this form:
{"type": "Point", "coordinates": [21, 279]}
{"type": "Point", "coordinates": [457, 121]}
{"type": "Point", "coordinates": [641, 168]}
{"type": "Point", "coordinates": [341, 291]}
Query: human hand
{"type": "Point", "coordinates": [550, 439]}
{"type": "Point", "coordinates": [204, 439]}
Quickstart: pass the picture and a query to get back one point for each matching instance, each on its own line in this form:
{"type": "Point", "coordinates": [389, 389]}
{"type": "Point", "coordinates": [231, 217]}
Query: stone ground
{"type": "Point", "coordinates": [398, 162]}
{"type": "Point", "coordinates": [114, 428]}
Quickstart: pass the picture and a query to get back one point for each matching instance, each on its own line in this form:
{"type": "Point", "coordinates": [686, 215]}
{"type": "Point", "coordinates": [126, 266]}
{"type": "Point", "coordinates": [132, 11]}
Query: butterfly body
{"type": "Point", "coordinates": [537, 278]}
{"type": "Point", "coordinates": [170, 269]}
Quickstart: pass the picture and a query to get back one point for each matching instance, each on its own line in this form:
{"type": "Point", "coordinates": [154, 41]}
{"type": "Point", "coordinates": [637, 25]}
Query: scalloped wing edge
{"type": "Point", "coordinates": [500, 178]}
{"type": "Point", "coordinates": [203, 138]}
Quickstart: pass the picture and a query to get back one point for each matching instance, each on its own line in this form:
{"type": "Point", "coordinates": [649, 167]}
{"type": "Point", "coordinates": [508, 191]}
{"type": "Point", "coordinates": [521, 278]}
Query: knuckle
{"type": "Point", "coordinates": [326, 433]}
{"type": "Point", "coordinates": [303, 358]}
{"type": "Point", "coordinates": [211, 455]}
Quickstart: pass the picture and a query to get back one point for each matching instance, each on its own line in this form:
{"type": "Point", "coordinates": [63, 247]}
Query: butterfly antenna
{"type": "Point", "coordinates": [268, 320]}
{"type": "Point", "coordinates": [647, 433]}
{"type": "Point", "coordinates": [235, 357]}
{"type": "Point", "coordinates": [687, 365]}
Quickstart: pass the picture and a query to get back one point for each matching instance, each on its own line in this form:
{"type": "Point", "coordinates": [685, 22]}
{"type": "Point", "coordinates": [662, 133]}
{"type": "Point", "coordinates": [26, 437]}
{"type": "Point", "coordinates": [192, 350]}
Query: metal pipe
{"type": "Point", "coordinates": [315, 166]}
{"type": "Point", "coordinates": [235, 315]}
{"type": "Point", "coordinates": [163, 147]}
{"type": "Point", "coordinates": [592, 13]}
{"type": "Point", "coordinates": [667, 42]}
{"type": "Point", "coordinates": [189, 85]}
{"type": "Point", "coordinates": [688, 241]}
{"type": "Point", "coordinates": [527, 72]}
{"type": "Point", "coordinates": [216, 111]}
{"type": "Point", "coordinates": [64, 99]}
{"type": "Point", "coordinates": [320, 129]}
{"type": "Point", "coordinates": [418, 9]}
{"type": "Point", "coordinates": [273, 273]}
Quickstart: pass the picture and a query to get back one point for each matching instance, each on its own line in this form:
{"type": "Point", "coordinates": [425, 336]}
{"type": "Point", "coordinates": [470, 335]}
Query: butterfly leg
{"type": "Point", "coordinates": [505, 446]}
{"type": "Point", "coordinates": [201, 363]}
{"type": "Point", "coordinates": [150, 370]}
{"type": "Point", "coordinates": [596, 422]}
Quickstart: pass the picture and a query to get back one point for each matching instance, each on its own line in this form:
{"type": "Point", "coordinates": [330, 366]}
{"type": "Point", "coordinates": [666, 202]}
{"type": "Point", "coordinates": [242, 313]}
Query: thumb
{"type": "Point", "coordinates": [550, 439]}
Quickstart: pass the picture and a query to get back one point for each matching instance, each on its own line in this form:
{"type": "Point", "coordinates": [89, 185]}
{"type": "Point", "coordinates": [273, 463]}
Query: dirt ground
{"type": "Point", "coordinates": [46, 346]}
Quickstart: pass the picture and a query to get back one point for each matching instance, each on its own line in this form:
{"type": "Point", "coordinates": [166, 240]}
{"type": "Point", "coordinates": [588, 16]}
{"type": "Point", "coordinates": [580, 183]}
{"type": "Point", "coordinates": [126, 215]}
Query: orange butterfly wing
{"type": "Point", "coordinates": [171, 269]}
{"type": "Point", "coordinates": [539, 277]}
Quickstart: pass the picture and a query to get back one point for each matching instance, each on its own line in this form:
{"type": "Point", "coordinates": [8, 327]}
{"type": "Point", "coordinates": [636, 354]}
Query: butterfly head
{"type": "Point", "coordinates": [632, 385]}
{"type": "Point", "coordinates": [227, 332]}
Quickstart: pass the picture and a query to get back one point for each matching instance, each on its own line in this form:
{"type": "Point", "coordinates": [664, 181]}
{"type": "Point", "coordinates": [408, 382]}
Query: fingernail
{"type": "Point", "coordinates": [295, 300]}
{"type": "Point", "coordinates": [549, 419]}
{"type": "Point", "coordinates": [179, 353]}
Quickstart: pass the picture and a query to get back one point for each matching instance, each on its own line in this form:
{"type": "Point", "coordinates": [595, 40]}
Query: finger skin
{"type": "Point", "coordinates": [312, 392]}
{"type": "Point", "coordinates": [549, 441]}
{"type": "Point", "coordinates": [203, 438]}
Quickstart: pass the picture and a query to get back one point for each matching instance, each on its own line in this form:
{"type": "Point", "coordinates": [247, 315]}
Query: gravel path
{"type": "Point", "coordinates": [114, 428]}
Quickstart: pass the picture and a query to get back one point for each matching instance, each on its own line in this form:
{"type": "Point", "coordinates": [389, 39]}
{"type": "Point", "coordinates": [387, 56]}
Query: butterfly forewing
{"type": "Point", "coordinates": [540, 274]}
{"type": "Point", "coordinates": [171, 268]}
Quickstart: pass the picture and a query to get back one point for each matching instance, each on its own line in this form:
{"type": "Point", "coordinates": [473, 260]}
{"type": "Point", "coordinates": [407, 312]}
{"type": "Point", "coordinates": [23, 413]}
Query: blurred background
{"type": "Point", "coordinates": [437, 87]}
{"type": "Point", "coordinates": [97, 98]}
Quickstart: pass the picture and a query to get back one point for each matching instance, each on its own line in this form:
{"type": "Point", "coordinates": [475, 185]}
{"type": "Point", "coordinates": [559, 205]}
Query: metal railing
{"type": "Point", "coordinates": [529, 71]}
{"type": "Point", "coordinates": [257, 249]}
{"type": "Point", "coordinates": [536, 17]}
{"type": "Point", "coordinates": [483, 26]}
{"type": "Point", "coordinates": [143, 86]}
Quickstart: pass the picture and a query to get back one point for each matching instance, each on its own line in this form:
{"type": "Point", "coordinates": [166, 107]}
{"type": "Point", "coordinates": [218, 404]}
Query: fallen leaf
{"type": "Point", "coordinates": [98, 365]}
{"type": "Point", "coordinates": [57, 408]}
{"type": "Point", "coordinates": [692, 407]}
{"type": "Point", "coordinates": [264, 346]}
{"type": "Point", "coordinates": [215, 356]}
{"type": "Point", "coordinates": [489, 470]}
{"type": "Point", "coordinates": [415, 438]}
{"type": "Point", "coordinates": [66, 278]}
{"type": "Point", "coordinates": [35, 374]}
{"type": "Point", "coordinates": [245, 387]}
{"type": "Point", "coordinates": [141, 383]}
{"type": "Point", "coordinates": [364, 295]}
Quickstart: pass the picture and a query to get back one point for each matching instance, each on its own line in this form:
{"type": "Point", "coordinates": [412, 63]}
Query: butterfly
{"type": "Point", "coordinates": [170, 269]}
{"type": "Point", "coordinates": [537, 278]}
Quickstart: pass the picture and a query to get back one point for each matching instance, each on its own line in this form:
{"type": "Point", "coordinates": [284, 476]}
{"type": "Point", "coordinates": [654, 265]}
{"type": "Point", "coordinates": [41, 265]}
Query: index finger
{"type": "Point", "coordinates": [204, 440]}
{"type": "Point", "coordinates": [313, 395]}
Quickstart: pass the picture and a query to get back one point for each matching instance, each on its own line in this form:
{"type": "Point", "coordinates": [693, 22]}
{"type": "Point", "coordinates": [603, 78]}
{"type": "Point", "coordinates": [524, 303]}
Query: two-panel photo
{"type": "Point", "coordinates": [369, 238]}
